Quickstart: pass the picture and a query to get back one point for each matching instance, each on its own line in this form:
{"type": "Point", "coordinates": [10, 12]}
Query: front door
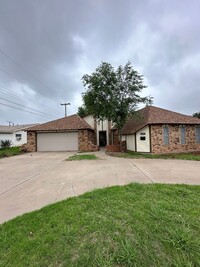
{"type": "Point", "coordinates": [102, 138]}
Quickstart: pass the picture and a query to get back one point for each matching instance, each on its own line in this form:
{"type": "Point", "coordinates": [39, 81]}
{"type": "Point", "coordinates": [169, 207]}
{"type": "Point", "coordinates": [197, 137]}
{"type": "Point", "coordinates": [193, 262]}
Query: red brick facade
{"type": "Point", "coordinates": [86, 139]}
{"type": "Point", "coordinates": [157, 142]}
{"type": "Point", "coordinates": [115, 137]}
{"type": "Point", "coordinates": [31, 145]}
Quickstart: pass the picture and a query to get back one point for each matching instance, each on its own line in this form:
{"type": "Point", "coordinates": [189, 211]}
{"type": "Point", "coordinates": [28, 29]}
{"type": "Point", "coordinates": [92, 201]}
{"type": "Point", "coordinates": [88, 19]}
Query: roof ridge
{"type": "Point", "coordinates": [72, 122]}
{"type": "Point", "coordinates": [164, 109]}
{"type": "Point", "coordinates": [156, 115]}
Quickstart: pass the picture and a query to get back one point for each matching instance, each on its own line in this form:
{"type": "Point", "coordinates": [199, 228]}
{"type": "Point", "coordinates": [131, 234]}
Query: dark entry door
{"type": "Point", "coordinates": [102, 138]}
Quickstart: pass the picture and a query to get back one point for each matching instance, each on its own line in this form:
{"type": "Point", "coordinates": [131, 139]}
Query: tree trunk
{"type": "Point", "coordinates": [120, 138]}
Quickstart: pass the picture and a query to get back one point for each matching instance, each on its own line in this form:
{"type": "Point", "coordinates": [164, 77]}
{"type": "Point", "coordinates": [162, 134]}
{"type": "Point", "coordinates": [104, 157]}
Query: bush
{"type": "Point", "coordinates": [6, 143]}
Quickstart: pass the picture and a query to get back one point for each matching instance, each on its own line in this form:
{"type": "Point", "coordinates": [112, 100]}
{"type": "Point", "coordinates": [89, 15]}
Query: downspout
{"type": "Point", "coordinates": [150, 143]}
{"type": "Point", "coordinates": [135, 142]}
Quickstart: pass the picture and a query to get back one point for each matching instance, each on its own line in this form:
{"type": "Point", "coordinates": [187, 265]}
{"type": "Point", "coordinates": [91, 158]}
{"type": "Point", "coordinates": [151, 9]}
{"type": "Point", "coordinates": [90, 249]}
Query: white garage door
{"type": "Point", "coordinates": [57, 141]}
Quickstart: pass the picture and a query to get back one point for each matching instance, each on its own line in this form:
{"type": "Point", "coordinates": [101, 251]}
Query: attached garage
{"type": "Point", "coordinates": [57, 141]}
{"type": "Point", "coordinates": [70, 133]}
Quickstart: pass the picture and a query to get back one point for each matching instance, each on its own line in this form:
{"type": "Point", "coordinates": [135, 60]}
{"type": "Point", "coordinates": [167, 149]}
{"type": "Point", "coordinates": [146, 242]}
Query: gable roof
{"type": "Point", "coordinates": [70, 123]}
{"type": "Point", "coordinates": [10, 129]}
{"type": "Point", "coordinates": [155, 115]}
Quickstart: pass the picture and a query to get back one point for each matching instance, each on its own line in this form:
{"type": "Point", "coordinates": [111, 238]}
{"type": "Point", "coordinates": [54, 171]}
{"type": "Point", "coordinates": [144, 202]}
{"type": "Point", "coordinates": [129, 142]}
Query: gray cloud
{"type": "Point", "coordinates": [56, 42]}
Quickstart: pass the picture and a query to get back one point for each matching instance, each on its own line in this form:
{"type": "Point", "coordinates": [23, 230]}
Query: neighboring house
{"type": "Point", "coordinates": [70, 133]}
{"type": "Point", "coordinates": [157, 130]}
{"type": "Point", "coordinates": [16, 134]}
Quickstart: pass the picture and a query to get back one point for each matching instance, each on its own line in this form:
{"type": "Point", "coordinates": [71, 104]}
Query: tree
{"type": "Point", "coordinates": [113, 94]}
{"type": "Point", "coordinates": [82, 111]}
{"type": "Point", "coordinates": [196, 115]}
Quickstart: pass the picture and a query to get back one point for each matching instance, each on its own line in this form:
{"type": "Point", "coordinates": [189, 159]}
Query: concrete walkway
{"type": "Point", "coordinates": [31, 181]}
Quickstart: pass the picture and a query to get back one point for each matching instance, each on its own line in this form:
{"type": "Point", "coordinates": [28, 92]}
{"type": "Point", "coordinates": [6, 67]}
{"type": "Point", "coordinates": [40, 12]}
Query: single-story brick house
{"type": "Point", "coordinates": [151, 130]}
{"type": "Point", "coordinates": [156, 130]}
{"type": "Point", "coordinates": [70, 133]}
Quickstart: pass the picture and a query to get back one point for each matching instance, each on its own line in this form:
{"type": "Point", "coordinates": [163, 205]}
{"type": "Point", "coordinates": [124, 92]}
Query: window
{"type": "Point", "coordinates": [142, 136]}
{"type": "Point", "coordinates": [18, 137]}
{"type": "Point", "coordinates": [182, 132]}
{"type": "Point", "coordinates": [198, 134]}
{"type": "Point", "coordinates": [166, 134]}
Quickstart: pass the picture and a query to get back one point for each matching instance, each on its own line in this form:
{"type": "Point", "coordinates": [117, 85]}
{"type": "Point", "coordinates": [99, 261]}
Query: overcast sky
{"type": "Point", "coordinates": [46, 46]}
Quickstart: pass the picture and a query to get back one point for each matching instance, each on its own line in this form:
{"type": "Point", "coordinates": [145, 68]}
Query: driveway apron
{"type": "Point", "coordinates": [31, 181]}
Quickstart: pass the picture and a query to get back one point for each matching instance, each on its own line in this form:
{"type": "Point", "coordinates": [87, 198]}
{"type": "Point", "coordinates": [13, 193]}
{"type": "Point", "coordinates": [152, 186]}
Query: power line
{"type": "Point", "coordinates": [21, 109]}
{"type": "Point", "coordinates": [24, 69]}
{"type": "Point", "coordinates": [15, 96]}
{"type": "Point", "coordinates": [18, 97]}
{"type": "Point", "coordinates": [20, 66]}
{"type": "Point", "coordinates": [15, 61]}
{"type": "Point", "coordinates": [12, 76]}
{"type": "Point", "coordinates": [5, 91]}
{"type": "Point", "coordinates": [45, 114]}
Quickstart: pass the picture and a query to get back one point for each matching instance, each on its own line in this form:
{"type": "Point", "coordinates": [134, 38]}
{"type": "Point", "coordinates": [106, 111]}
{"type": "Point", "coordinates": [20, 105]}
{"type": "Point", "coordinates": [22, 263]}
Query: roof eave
{"type": "Point", "coordinates": [59, 130]}
{"type": "Point", "coordinates": [6, 132]}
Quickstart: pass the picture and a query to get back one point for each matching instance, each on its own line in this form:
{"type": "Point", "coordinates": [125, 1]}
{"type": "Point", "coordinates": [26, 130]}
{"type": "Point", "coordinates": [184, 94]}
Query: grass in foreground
{"type": "Point", "coordinates": [8, 152]}
{"type": "Point", "coordinates": [138, 155]}
{"type": "Point", "coordinates": [83, 157]}
{"type": "Point", "coordinates": [134, 225]}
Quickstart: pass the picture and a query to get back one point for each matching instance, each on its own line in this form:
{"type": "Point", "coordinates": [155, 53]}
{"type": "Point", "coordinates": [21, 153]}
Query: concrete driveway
{"type": "Point", "coordinates": [31, 181]}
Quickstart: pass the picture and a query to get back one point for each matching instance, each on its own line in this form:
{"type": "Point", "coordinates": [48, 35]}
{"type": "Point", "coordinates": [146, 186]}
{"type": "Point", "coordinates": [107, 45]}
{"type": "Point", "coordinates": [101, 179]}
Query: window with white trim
{"type": "Point", "coordinates": [182, 134]}
{"type": "Point", "coordinates": [166, 135]}
{"type": "Point", "coordinates": [198, 134]}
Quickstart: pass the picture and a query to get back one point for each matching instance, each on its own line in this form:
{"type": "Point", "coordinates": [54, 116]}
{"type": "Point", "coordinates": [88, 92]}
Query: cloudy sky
{"type": "Point", "coordinates": [46, 46]}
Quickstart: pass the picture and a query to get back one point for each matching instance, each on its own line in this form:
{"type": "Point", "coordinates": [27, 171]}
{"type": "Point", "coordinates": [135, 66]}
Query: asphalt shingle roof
{"type": "Point", "coordinates": [70, 123]}
{"type": "Point", "coordinates": [14, 128]}
{"type": "Point", "coordinates": [155, 115]}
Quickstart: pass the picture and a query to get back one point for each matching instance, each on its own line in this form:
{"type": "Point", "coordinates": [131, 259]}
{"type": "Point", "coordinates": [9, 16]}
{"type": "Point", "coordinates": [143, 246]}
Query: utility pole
{"type": "Point", "coordinates": [10, 123]}
{"type": "Point", "coordinates": [65, 104]}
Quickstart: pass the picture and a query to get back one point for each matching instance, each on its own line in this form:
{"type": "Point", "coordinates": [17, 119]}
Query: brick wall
{"type": "Point", "coordinates": [31, 142]}
{"type": "Point", "coordinates": [115, 138]}
{"type": "Point", "coordinates": [86, 138]}
{"type": "Point", "coordinates": [174, 139]}
{"type": "Point", "coordinates": [117, 148]}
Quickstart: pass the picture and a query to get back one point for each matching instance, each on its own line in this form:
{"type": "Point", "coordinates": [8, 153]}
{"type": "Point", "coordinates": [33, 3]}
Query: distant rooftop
{"type": "Point", "coordinates": [14, 128]}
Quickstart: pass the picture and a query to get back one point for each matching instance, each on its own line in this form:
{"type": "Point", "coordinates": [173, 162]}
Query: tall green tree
{"type": "Point", "coordinates": [196, 115]}
{"type": "Point", "coordinates": [113, 94]}
{"type": "Point", "coordinates": [82, 111]}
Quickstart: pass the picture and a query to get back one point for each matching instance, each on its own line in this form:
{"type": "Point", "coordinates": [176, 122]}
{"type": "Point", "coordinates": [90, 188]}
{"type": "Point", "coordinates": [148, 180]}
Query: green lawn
{"type": "Point", "coordinates": [134, 225]}
{"type": "Point", "coordinates": [138, 155]}
{"type": "Point", "coordinates": [83, 157]}
{"type": "Point", "coordinates": [7, 152]}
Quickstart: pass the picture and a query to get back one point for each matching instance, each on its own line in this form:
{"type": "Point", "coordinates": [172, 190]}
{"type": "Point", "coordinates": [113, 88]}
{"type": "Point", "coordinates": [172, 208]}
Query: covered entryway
{"type": "Point", "coordinates": [57, 141]}
{"type": "Point", "coordinates": [102, 138]}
